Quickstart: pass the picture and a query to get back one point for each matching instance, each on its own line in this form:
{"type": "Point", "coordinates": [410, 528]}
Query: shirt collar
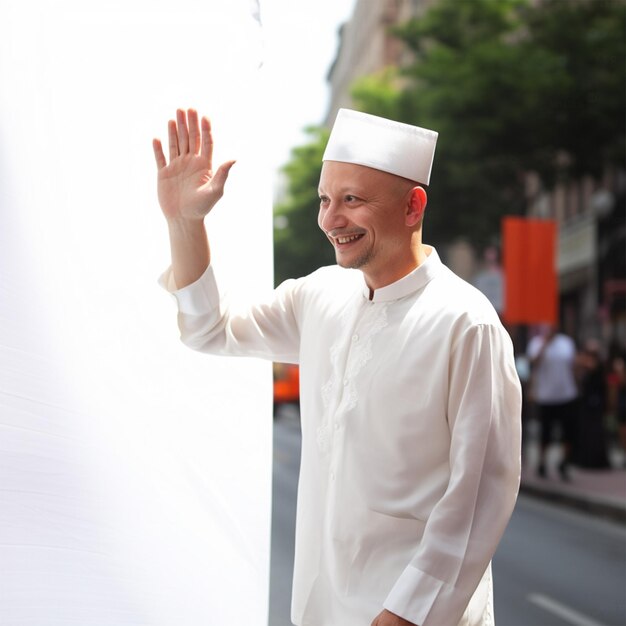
{"type": "Point", "coordinates": [410, 283]}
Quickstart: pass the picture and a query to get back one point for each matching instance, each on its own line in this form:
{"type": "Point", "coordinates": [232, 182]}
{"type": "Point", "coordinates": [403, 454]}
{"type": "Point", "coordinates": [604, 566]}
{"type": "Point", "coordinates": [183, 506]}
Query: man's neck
{"type": "Point", "coordinates": [419, 254]}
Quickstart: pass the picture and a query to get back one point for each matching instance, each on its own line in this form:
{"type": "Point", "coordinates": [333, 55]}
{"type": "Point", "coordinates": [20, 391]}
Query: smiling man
{"type": "Point", "coordinates": [410, 403]}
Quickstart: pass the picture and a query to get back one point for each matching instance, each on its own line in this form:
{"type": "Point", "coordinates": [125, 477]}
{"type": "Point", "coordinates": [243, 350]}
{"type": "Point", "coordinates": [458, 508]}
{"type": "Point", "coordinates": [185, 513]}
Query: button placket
{"type": "Point", "coordinates": [348, 356]}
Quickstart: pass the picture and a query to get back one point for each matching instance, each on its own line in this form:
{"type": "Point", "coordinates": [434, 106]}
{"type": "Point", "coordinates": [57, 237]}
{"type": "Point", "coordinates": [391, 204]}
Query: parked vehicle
{"type": "Point", "coordinates": [286, 385]}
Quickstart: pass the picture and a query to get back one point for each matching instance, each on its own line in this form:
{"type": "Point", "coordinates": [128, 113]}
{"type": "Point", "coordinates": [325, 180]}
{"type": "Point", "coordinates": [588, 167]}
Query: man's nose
{"type": "Point", "coordinates": [332, 217]}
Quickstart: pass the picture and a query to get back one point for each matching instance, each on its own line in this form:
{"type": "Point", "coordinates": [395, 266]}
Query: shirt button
{"type": "Point", "coordinates": [336, 425]}
{"type": "Point", "coordinates": [332, 475]}
{"type": "Point", "coordinates": [345, 382]}
{"type": "Point", "coordinates": [355, 338]}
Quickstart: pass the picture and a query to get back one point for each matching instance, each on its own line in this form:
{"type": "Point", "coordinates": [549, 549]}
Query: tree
{"type": "Point", "coordinates": [474, 83]}
{"type": "Point", "coordinates": [585, 116]}
{"type": "Point", "coordinates": [299, 245]}
{"type": "Point", "coordinates": [511, 86]}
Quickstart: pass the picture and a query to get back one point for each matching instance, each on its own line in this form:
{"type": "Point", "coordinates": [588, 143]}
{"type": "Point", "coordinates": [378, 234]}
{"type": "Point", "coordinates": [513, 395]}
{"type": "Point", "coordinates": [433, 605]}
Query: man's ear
{"type": "Point", "coordinates": [416, 206]}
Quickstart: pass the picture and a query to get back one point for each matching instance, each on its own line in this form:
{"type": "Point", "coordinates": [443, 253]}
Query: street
{"type": "Point", "coordinates": [554, 567]}
{"type": "Point", "coordinates": [285, 482]}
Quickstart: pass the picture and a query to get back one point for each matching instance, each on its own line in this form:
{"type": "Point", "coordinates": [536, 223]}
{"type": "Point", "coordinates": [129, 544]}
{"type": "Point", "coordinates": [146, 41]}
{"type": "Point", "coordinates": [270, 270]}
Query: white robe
{"type": "Point", "coordinates": [410, 409]}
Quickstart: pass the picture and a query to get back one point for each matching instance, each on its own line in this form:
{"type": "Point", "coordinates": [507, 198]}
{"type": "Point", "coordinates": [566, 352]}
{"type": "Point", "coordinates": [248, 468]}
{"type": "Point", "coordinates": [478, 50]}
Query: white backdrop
{"type": "Point", "coordinates": [135, 475]}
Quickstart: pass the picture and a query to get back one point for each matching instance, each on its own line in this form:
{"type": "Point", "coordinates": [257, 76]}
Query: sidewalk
{"type": "Point", "coordinates": [601, 492]}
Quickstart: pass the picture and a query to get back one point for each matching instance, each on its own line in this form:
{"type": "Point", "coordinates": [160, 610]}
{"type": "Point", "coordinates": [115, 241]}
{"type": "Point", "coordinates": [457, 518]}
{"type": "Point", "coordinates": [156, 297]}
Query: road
{"type": "Point", "coordinates": [285, 482]}
{"type": "Point", "coordinates": [554, 566]}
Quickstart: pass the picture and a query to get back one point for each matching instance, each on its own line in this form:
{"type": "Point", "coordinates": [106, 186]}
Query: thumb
{"type": "Point", "coordinates": [221, 175]}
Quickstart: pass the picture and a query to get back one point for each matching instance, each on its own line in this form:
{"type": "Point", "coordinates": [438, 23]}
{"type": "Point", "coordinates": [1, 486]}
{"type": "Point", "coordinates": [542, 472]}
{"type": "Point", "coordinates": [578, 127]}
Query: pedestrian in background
{"type": "Point", "coordinates": [590, 441]}
{"type": "Point", "coordinates": [616, 383]}
{"type": "Point", "coordinates": [552, 355]}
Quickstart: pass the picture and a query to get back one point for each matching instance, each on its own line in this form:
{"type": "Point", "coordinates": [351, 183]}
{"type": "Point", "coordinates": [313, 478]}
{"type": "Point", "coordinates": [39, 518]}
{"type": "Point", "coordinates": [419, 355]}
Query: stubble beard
{"type": "Point", "coordinates": [358, 263]}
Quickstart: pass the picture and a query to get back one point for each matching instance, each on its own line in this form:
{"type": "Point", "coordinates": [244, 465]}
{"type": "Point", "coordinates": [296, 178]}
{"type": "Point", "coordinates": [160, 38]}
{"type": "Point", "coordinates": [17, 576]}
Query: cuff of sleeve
{"type": "Point", "coordinates": [195, 299]}
{"type": "Point", "coordinates": [413, 595]}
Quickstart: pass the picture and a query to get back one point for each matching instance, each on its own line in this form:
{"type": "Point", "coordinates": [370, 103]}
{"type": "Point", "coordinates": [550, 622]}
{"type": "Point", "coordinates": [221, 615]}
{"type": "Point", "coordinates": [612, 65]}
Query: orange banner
{"type": "Point", "coordinates": [529, 262]}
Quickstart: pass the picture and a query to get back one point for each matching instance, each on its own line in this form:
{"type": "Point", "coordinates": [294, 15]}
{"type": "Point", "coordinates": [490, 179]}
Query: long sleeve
{"type": "Point", "coordinates": [465, 526]}
{"type": "Point", "coordinates": [268, 330]}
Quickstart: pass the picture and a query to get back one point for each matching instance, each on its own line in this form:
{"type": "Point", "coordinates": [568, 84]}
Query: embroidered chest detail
{"type": "Point", "coordinates": [348, 356]}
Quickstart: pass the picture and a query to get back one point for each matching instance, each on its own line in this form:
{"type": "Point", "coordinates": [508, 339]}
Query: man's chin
{"type": "Point", "coordinates": [352, 264]}
{"type": "Point", "coordinates": [345, 263]}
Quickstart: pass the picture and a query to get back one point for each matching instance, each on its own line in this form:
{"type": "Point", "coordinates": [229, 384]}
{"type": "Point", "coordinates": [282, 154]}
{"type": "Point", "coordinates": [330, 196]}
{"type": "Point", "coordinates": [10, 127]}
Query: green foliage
{"type": "Point", "coordinates": [511, 86]}
{"type": "Point", "coordinates": [378, 93]}
{"type": "Point", "coordinates": [300, 247]}
{"type": "Point", "coordinates": [584, 114]}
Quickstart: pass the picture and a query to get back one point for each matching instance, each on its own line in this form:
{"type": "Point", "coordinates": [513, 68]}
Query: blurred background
{"type": "Point", "coordinates": [527, 202]}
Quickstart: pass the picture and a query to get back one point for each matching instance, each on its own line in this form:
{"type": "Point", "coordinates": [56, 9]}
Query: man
{"type": "Point", "coordinates": [409, 397]}
{"type": "Point", "coordinates": [552, 357]}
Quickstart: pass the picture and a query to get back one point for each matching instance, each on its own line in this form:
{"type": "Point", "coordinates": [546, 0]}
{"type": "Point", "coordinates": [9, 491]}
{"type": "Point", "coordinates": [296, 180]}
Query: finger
{"type": "Point", "coordinates": [219, 178]}
{"type": "Point", "coordinates": [158, 154]}
{"type": "Point", "coordinates": [194, 131]}
{"type": "Point", "coordinates": [172, 135]}
{"type": "Point", "coordinates": [207, 140]}
{"type": "Point", "coordinates": [183, 133]}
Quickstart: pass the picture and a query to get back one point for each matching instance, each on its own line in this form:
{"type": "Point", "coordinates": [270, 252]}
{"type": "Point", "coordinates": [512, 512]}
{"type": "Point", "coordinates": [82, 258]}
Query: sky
{"type": "Point", "coordinates": [301, 40]}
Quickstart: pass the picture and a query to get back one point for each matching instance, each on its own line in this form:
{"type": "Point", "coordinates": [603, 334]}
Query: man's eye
{"type": "Point", "coordinates": [323, 200]}
{"type": "Point", "coordinates": [350, 198]}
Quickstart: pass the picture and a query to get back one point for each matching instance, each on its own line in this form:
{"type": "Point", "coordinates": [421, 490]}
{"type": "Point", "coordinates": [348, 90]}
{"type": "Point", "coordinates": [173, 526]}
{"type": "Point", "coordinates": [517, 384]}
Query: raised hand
{"type": "Point", "coordinates": [188, 189]}
{"type": "Point", "coordinates": [187, 186]}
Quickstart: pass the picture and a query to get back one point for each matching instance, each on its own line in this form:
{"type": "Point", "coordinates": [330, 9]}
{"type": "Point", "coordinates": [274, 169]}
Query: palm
{"type": "Point", "coordinates": [185, 189]}
{"type": "Point", "coordinates": [187, 186]}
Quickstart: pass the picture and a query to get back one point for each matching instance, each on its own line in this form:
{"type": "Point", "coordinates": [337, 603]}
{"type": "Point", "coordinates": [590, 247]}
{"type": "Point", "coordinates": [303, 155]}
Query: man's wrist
{"type": "Point", "coordinates": [181, 225]}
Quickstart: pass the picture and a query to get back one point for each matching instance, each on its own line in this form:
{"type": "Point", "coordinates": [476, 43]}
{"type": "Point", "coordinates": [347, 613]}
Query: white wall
{"type": "Point", "coordinates": [135, 475]}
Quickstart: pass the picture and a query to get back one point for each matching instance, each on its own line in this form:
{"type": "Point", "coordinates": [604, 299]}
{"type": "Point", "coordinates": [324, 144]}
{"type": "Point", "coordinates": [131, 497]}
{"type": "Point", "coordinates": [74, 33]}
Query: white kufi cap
{"type": "Point", "coordinates": [382, 144]}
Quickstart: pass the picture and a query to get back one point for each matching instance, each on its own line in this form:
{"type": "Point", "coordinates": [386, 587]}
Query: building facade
{"type": "Point", "coordinates": [591, 219]}
{"type": "Point", "coordinates": [366, 45]}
